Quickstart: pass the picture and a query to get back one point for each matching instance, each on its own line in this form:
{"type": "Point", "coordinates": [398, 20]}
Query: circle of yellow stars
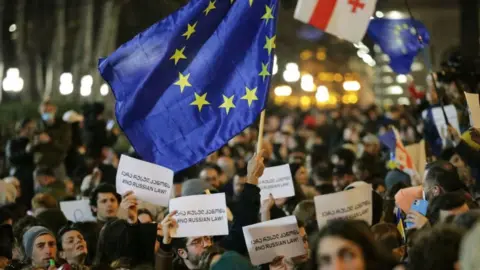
{"type": "Point", "coordinates": [399, 28]}
{"type": "Point", "coordinates": [228, 102]}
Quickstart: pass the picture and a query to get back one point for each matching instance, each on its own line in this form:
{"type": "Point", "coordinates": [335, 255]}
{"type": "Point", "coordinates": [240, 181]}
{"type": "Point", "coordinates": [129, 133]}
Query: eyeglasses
{"type": "Point", "coordinates": [201, 241]}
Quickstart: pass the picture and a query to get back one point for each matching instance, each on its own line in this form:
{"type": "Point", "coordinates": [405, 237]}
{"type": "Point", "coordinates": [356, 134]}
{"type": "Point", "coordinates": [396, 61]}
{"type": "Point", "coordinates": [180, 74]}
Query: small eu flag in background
{"type": "Point", "coordinates": [188, 84]}
{"type": "Point", "coordinates": [399, 40]}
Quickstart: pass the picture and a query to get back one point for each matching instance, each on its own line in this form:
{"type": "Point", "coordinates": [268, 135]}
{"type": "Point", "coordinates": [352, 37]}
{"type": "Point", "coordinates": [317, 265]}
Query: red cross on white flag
{"type": "Point", "coordinates": [347, 19]}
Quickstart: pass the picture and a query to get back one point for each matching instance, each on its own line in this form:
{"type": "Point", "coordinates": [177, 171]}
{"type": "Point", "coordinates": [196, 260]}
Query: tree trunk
{"type": "Point", "coordinates": [55, 63]}
{"type": "Point", "coordinates": [106, 38]}
{"type": "Point", "coordinates": [21, 52]}
{"type": "Point", "coordinates": [2, 65]}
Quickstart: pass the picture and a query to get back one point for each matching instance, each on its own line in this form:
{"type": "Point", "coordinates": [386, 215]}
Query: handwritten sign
{"type": "Point", "coordinates": [474, 106]}
{"type": "Point", "coordinates": [278, 237]}
{"type": "Point", "coordinates": [351, 204]}
{"type": "Point", "coordinates": [77, 211]}
{"type": "Point", "coordinates": [150, 182]}
{"type": "Point", "coordinates": [200, 215]}
{"type": "Point", "coordinates": [277, 181]}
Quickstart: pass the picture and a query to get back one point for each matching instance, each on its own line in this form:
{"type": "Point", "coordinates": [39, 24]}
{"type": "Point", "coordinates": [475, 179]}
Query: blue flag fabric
{"type": "Point", "coordinates": [399, 40]}
{"type": "Point", "coordinates": [188, 84]}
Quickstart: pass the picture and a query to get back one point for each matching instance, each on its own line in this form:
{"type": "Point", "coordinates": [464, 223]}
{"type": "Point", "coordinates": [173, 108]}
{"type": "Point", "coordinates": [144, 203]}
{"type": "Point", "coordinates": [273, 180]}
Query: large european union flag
{"type": "Point", "coordinates": [188, 84]}
{"type": "Point", "coordinates": [399, 40]}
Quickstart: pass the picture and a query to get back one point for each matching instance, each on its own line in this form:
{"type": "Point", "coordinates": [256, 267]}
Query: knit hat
{"type": "Point", "coordinates": [31, 235]}
{"type": "Point", "coordinates": [233, 261]}
{"type": "Point", "coordinates": [195, 187]}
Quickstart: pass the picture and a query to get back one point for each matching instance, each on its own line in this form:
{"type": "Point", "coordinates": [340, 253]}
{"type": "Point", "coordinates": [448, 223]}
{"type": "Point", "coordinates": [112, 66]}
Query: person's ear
{"type": "Point", "coordinates": [182, 253]}
{"type": "Point", "coordinates": [94, 209]}
{"type": "Point", "coordinates": [456, 265]}
{"type": "Point", "coordinates": [436, 191]}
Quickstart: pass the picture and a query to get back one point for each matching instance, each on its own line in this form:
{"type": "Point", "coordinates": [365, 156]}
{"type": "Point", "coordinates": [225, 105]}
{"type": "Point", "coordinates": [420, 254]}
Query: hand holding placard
{"type": "Point", "coordinates": [277, 181]}
{"type": "Point", "coordinates": [200, 215]}
{"type": "Point", "coordinates": [269, 240]}
{"type": "Point", "coordinates": [150, 182]}
{"type": "Point", "coordinates": [129, 207]}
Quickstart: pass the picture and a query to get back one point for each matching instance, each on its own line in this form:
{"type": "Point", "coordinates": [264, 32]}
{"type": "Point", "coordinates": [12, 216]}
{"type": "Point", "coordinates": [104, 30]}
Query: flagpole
{"type": "Point", "coordinates": [260, 131]}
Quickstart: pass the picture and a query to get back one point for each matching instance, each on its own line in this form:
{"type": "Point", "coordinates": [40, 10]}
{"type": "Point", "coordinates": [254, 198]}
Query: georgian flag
{"type": "Point", "coordinates": [347, 19]}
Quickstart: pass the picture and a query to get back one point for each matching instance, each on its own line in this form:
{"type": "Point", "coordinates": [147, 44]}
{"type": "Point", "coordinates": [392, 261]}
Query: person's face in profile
{"type": "Point", "coordinates": [336, 253]}
{"type": "Point", "coordinates": [303, 258]}
{"type": "Point", "coordinates": [107, 206]}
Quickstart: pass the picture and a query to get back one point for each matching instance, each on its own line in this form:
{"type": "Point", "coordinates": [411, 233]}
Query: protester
{"type": "Point", "coordinates": [72, 247]}
{"type": "Point", "coordinates": [40, 247]}
{"type": "Point", "coordinates": [104, 202]}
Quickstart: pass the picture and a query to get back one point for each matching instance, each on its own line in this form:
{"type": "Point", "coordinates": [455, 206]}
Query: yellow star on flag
{"type": "Point", "coordinates": [264, 73]}
{"type": "Point", "coordinates": [250, 95]}
{"type": "Point", "coordinates": [190, 30]}
{"type": "Point", "coordinates": [211, 6]}
{"type": "Point", "coordinates": [183, 81]}
{"type": "Point", "coordinates": [178, 55]}
{"type": "Point", "coordinates": [268, 14]}
{"type": "Point", "coordinates": [231, 1]}
{"type": "Point", "coordinates": [270, 44]}
{"type": "Point", "coordinates": [227, 103]}
{"type": "Point", "coordinates": [200, 101]}
{"type": "Point", "coordinates": [251, 2]}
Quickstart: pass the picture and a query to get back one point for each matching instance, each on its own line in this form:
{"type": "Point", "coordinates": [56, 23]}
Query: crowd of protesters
{"type": "Point", "coordinates": [66, 157]}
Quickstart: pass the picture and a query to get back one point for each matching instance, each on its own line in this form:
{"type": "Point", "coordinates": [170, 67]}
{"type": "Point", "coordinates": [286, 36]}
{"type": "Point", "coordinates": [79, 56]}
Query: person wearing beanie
{"type": "Point", "coordinates": [40, 246]}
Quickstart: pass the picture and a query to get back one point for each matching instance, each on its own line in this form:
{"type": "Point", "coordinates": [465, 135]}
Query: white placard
{"type": "Point", "coordinates": [277, 181]}
{"type": "Point", "coordinates": [439, 120]}
{"type": "Point", "coordinates": [351, 204]}
{"type": "Point", "coordinates": [77, 211]}
{"type": "Point", "coordinates": [149, 182]}
{"type": "Point", "coordinates": [200, 215]}
{"type": "Point", "coordinates": [474, 106]}
{"type": "Point", "coordinates": [278, 237]}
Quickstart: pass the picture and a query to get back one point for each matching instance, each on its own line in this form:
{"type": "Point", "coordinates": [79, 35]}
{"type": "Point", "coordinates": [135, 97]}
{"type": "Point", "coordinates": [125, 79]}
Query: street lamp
{"type": "Point", "coordinates": [66, 84]}
{"type": "Point", "coordinates": [307, 84]}
{"type": "Point", "coordinates": [351, 86]}
{"type": "Point", "coordinates": [86, 85]}
{"type": "Point", "coordinates": [283, 91]}
{"type": "Point", "coordinates": [291, 73]}
{"type": "Point", "coordinates": [104, 89]}
{"type": "Point", "coordinates": [13, 82]}
{"type": "Point", "coordinates": [322, 94]}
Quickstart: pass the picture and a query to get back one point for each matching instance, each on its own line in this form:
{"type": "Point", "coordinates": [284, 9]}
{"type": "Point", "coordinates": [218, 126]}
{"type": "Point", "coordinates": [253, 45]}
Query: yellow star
{"type": "Point", "coordinates": [270, 44]}
{"type": "Point", "coordinates": [183, 81]}
{"type": "Point", "coordinates": [231, 1]}
{"type": "Point", "coordinates": [227, 103]}
{"type": "Point", "coordinates": [200, 101]}
{"type": "Point", "coordinates": [190, 30]}
{"type": "Point", "coordinates": [211, 6]}
{"type": "Point", "coordinates": [251, 2]}
{"type": "Point", "coordinates": [264, 73]}
{"type": "Point", "coordinates": [178, 55]}
{"type": "Point", "coordinates": [250, 95]}
{"type": "Point", "coordinates": [268, 14]}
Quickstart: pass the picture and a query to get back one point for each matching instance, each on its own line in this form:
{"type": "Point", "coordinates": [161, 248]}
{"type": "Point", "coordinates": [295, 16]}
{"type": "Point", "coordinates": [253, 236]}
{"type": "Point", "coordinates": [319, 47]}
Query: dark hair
{"type": "Point", "coordinates": [114, 243]}
{"type": "Point", "coordinates": [67, 228]}
{"type": "Point", "coordinates": [387, 235]}
{"type": "Point", "coordinates": [359, 233]}
{"type": "Point", "coordinates": [103, 188]}
{"type": "Point", "coordinates": [214, 167]}
{"type": "Point", "coordinates": [324, 189]}
{"type": "Point", "coordinates": [444, 174]}
{"type": "Point", "coordinates": [5, 214]}
{"type": "Point", "coordinates": [447, 201]}
{"type": "Point", "coordinates": [467, 220]}
{"type": "Point", "coordinates": [22, 124]}
{"type": "Point", "coordinates": [322, 172]}
{"type": "Point", "coordinates": [436, 248]}
{"type": "Point", "coordinates": [241, 172]}
{"type": "Point", "coordinates": [146, 212]}
{"type": "Point", "coordinates": [44, 171]}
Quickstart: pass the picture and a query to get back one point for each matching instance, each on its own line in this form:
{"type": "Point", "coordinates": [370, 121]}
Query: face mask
{"type": "Point", "coordinates": [47, 116]}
